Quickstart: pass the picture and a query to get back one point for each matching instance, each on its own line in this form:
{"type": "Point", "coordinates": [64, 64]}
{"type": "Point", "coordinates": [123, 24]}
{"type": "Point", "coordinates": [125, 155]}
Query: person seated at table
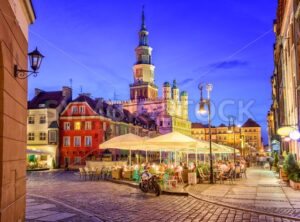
{"type": "Point", "coordinates": [224, 167]}
{"type": "Point", "coordinates": [185, 167]}
{"type": "Point", "coordinates": [231, 166]}
{"type": "Point", "coordinates": [162, 168]}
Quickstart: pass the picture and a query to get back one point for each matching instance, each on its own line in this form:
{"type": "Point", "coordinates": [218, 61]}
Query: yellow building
{"type": "Point", "coordinates": [42, 124]}
{"type": "Point", "coordinates": [247, 137]}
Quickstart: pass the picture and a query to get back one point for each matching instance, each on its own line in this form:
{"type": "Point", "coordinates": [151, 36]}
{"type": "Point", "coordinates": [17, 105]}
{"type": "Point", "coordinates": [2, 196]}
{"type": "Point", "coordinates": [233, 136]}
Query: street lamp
{"type": "Point", "coordinates": [231, 129]}
{"type": "Point", "coordinates": [241, 141]}
{"type": "Point", "coordinates": [35, 60]}
{"type": "Point", "coordinates": [202, 110]}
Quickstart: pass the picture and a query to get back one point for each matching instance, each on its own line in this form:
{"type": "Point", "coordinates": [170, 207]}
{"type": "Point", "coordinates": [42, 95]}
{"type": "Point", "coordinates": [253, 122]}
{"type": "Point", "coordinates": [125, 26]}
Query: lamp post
{"type": "Point", "coordinates": [241, 141]}
{"type": "Point", "coordinates": [202, 110]}
{"type": "Point", "coordinates": [230, 131]}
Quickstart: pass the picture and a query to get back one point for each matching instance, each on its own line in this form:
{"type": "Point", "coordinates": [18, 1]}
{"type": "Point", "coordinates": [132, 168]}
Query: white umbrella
{"type": "Point", "coordinates": [125, 142]}
{"type": "Point", "coordinates": [173, 141]}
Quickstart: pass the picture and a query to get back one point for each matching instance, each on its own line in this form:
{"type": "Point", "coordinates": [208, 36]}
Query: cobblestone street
{"type": "Point", "coordinates": [74, 200]}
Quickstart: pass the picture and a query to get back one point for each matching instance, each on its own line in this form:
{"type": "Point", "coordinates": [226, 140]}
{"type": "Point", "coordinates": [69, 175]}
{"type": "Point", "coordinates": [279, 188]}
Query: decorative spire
{"type": "Point", "coordinates": [143, 19]}
{"type": "Point", "coordinates": [174, 84]}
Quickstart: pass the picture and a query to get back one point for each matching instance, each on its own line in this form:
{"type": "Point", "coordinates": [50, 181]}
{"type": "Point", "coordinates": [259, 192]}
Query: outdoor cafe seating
{"type": "Point", "coordinates": [184, 162]}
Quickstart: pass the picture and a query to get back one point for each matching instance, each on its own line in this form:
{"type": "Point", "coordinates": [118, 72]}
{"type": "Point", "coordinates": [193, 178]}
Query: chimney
{"type": "Point", "coordinates": [67, 92]}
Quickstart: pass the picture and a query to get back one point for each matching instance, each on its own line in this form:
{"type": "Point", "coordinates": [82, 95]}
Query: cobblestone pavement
{"type": "Point", "coordinates": [261, 191]}
{"type": "Point", "coordinates": [106, 201]}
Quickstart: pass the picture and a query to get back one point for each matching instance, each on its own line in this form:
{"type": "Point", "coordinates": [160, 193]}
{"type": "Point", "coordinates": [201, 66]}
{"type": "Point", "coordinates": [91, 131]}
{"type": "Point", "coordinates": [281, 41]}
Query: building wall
{"type": "Point", "coordinates": [286, 77]}
{"type": "Point", "coordinates": [13, 107]}
{"type": "Point", "coordinates": [245, 136]}
{"type": "Point", "coordinates": [83, 151]}
{"type": "Point", "coordinates": [37, 128]}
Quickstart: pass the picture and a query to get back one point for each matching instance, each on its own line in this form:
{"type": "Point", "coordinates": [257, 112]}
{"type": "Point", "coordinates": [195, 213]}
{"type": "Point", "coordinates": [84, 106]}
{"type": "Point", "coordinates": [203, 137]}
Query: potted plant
{"type": "Point", "coordinates": [290, 166]}
{"type": "Point", "coordinates": [276, 161]}
{"type": "Point", "coordinates": [295, 180]}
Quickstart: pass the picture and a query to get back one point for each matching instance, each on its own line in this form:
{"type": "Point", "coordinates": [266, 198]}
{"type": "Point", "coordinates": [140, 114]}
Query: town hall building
{"type": "Point", "coordinates": [170, 112]}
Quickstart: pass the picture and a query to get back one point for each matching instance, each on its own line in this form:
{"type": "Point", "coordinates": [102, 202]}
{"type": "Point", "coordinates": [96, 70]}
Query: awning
{"type": "Point", "coordinates": [37, 152]}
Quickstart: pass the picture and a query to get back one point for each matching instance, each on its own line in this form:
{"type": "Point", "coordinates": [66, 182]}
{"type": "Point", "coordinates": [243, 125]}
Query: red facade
{"type": "Point", "coordinates": [81, 131]}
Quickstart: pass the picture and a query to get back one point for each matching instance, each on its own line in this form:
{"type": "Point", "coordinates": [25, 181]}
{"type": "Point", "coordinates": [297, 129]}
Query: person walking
{"type": "Point", "coordinates": [271, 161]}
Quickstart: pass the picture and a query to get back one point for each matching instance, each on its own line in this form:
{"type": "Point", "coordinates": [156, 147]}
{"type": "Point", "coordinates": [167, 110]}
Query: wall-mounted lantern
{"type": "Point", "coordinates": [35, 60]}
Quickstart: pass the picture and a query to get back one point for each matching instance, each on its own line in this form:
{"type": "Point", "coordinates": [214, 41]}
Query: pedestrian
{"type": "Point", "coordinates": [271, 161]}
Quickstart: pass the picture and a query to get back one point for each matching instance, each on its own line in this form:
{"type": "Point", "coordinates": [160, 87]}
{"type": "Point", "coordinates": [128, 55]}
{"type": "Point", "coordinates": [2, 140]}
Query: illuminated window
{"type": "Point", "coordinates": [77, 126]}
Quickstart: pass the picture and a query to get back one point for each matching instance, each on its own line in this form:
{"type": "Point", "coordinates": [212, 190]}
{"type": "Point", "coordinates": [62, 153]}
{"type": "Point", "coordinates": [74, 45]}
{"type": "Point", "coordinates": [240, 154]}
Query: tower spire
{"type": "Point", "coordinates": [143, 18]}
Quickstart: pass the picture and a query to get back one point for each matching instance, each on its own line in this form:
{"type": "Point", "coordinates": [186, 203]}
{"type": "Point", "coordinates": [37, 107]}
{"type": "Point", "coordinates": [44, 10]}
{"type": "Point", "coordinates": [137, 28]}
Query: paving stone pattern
{"type": "Point", "coordinates": [107, 201]}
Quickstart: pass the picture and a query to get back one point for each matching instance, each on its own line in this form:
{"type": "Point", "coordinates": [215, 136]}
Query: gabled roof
{"type": "Point", "coordinates": [84, 98]}
{"type": "Point", "coordinates": [46, 100]}
{"type": "Point", "coordinates": [251, 123]}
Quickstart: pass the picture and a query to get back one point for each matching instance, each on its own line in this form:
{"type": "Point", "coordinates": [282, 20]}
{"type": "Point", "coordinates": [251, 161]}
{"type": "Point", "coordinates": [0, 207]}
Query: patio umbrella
{"type": "Point", "coordinates": [173, 141]}
{"type": "Point", "coordinates": [125, 142]}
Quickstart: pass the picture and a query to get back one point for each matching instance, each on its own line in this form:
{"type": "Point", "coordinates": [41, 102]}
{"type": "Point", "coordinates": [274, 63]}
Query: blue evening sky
{"type": "Point", "coordinates": [228, 43]}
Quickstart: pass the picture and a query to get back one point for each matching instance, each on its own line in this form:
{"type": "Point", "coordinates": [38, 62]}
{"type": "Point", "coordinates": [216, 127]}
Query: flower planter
{"type": "Point", "coordinates": [295, 185]}
{"type": "Point", "coordinates": [283, 175]}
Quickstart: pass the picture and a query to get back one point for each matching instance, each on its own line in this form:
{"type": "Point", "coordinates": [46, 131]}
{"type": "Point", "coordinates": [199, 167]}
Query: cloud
{"type": "Point", "coordinates": [228, 64]}
{"type": "Point", "coordinates": [185, 81]}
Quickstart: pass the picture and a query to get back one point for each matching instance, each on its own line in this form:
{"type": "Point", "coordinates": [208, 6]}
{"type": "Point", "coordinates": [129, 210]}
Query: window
{"type": "Point", "coordinates": [161, 123]}
{"type": "Point", "coordinates": [66, 141]}
{"type": "Point", "coordinates": [31, 120]}
{"type": "Point", "coordinates": [77, 141]}
{"type": "Point", "coordinates": [31, 136]}
{"type": "Point", "coordinates": [82, 109]}
{"type": "Point", "coordinates": [104, 126]}
{"type": "Point", "coordinates": [67, 126]}
{"type": "Point", "coordinates": [88, 141]}
{"type": "Point", "coordinates": [52, 136]}
{"type": "Point", "coordinates": [42, 119]}
{"type": "Point", "coordinates": [77, 126]}
{"type": "Point", "coordinates": [88, 125]}
{"type": "Point", "coordinates": [74, 109]}
{"type": "Point", "coordinates": [42, 136]}
{"type": "Point", "coordinates": [77, 160]}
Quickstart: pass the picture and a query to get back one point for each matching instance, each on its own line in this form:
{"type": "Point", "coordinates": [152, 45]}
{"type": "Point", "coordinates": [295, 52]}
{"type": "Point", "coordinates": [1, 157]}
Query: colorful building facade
{"type": "Point", "coordinates": [43, 124]}
{"type": "Point", "coordinates": [246, 137]}
{"type": "Point", "coordinates": [82, 129]}
{"type": "Point", "coordinates": [284, 111]}
{"type": "Point", "coordinates": [86, 123]}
